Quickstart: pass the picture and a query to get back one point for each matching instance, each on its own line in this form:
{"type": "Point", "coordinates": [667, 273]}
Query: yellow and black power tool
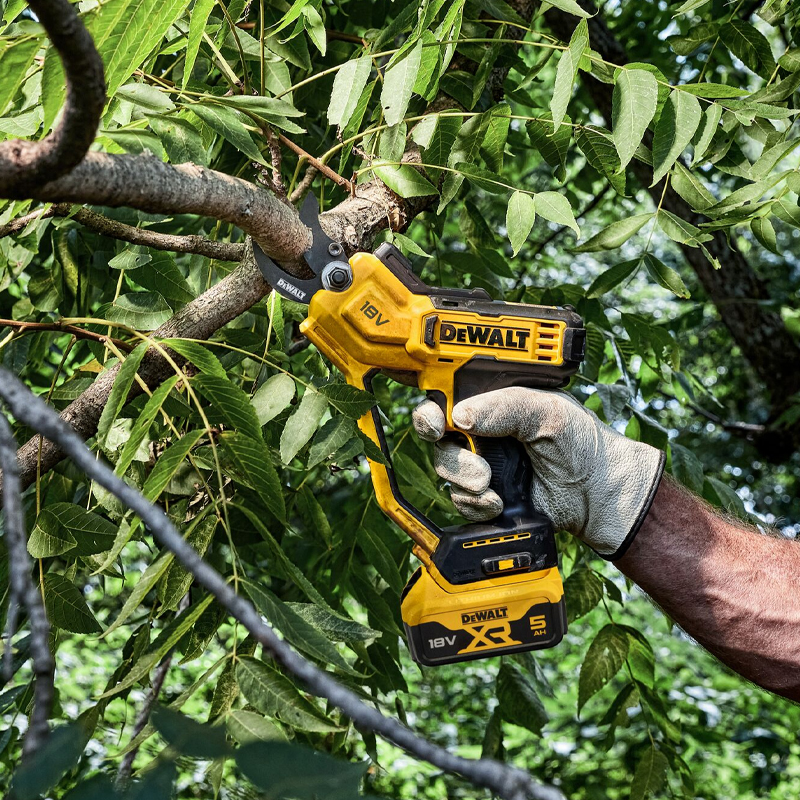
{"type": "Point", "coordinates": [483, 589]}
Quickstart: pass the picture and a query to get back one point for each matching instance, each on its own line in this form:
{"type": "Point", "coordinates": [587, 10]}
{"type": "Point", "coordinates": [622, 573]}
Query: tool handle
{"type": "Point", "coordinates": [512, 472]}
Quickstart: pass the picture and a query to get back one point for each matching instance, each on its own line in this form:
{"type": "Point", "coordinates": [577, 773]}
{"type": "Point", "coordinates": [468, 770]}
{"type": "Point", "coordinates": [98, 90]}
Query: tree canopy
{"type": "Point", "coordinates": [635, 160]}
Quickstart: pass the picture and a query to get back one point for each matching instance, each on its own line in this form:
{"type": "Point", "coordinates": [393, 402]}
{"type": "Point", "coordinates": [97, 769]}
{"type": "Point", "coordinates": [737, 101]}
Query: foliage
{"type": "Point", "coordinates": [253, 448]}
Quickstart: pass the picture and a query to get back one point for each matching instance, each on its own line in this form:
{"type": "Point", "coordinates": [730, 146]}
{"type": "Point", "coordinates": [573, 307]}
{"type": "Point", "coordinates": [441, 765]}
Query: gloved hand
{"type": "Point", "coordinates": [588, 479]}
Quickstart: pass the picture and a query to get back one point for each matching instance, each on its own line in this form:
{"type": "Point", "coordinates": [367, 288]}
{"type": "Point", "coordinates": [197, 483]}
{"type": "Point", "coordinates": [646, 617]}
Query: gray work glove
{"type": "Point", "coordinates": [588, 479]}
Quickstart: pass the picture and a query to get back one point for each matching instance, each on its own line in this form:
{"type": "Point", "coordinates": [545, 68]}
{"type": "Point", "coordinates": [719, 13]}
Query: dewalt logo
{"type": "Point", "coordinates": [498, 336]}
{"type": "Point", "coordinates": [484, 616]}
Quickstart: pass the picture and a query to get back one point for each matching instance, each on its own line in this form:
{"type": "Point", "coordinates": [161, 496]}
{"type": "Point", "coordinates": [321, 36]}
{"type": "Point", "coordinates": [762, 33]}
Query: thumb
{"type": "Point", "coordinates": [515, 411]}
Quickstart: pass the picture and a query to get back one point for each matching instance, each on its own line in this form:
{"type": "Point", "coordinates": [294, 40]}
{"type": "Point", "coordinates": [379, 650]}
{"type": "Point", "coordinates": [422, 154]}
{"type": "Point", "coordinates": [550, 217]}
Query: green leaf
{"type": "Point", "coordinates": [53, 759]}
{"type": "Point", "coordinates": [398, 83]}
{"type": "Point", "coordinates": [315, 28]}
{"type": "Point", "coordinates": [177, 580]}
{"type": "Point", "coordinates": [168, 463]}
{"type": "Point", "coordinates": [494, 143]}
{"type": "Point", "coordinates": [66, 607]}
{"type": "Point", "coordinates": [689, 5]}
{"type": "Point", "coordinates": [583, 590]}
{"type": "Point", "coordinates": [686, 467]}
{"type": "Point", "coordinates": [313, 513]}
{"type": "Point", "coordinates": [247, 726]}
{"type": "Point", "coordinates": [253, 464]}
{"type": "Point", "coordinates": [712, 91]}
{"type": "Point", "coordinates": [197, 25]}
{"type": "Point", "coordinates": [143, 423]}
{"type": "Point", "coordinates": [465, 150]}
{"type": "Point", "coordinates": [442, 140]}
{"type": "Point", "coordinates": [54, 87]}
{"type": "Point", "coordinates": [570, 6]}
{"type": "Point", "coordinates": [161, 274]}
{"type": "Point", "coordinates": [665, 276]}
{"type": "Point", "coordinates": [297, 631]}
{"type": "Point", "coordinates": [48, 538]}
{"type": "Point", "coordinates": [334, 434]}
{"type": "Point", "coordinates": [229, 404]}
{"type": "Point", "coordinates": [681, 231]}
{"type": "Point", "coordinates": [226, 122]}
{"type": "Point", "coordinates": [567, 72]}
{"type": "Point", "coordinates": [92, 533]}
{"type": "Point", "coordinates": [283, 770]}
{"type": "Point", "coordinates": [481, 178]}
{"type": "Point", "coordinates": [403, 179]}
{"type": "Point", "coordinates": [301, 425]}
{"type": "Point", "coordinates": [350, 400]}
{"type": "Point", "coordinates": [379, 557]}
{"type": "Point", "coordinates": [333, 626]}
{"type": "Point", "coordinates": [675, 128]}
{"type": "Point", "coordinates": [749, 45]}
{"type": "Point", "coordinates": [16, 57]}
{"type": "Point", "coordinates": [604, 658]}
{"type": "Point", "coordinates": [556, 208]}
{"type": "Point", "coordinates": [180, 139]}
{"type": "Point", "coordinates": [520, 215]}
{"type": "Point", "coordinates": [275, 695]}
{"type": "Point", "coordinates": [708, 127]}
{"type": "Point", "coordinates": [167, 639]}
{"type": "Point", "coordinates": [347, 88]}
{"type": "Point", "coordinates": [650, 774]}
{"type": "Point", "coordinates": [615, 234]}
{"type": "Point", "coordinates": [146, 582]}
{"type": "Point", "coordinates": [694, 38]}
{"type": "Point", "coordinates": [691, 188]}
{"type": "Point", "coordinates": [598, 147]}
{"type": "Point", "coordinates": [519, 703]}
{"type": "Point", "coordinates": [188, 736]}
{"type": "Point", "coordinates": [552, 143]}
{"type": "Point", "coordinates": [143, 311]}
{"type": "Point", "coordinates": [633, 107]}
{"type": "Point", "coordinates": [790, 60]}
{"type": "Point", "coordinates": [273, 396]}
{"type": "Point", "coordinates": [197, 354]}
{"type": "Point", "coordinates": [765, 233]}
{"type": "Point", "coordinates": [125, 32]}
{"type": "Point", "coordinates": [727, 497]}
{"type": "Point", "coordinates": [146, 97]}
{"type": "Point", "coordinates": [612, 277]}
{"type": "Point", "coordinates": [119, 392]}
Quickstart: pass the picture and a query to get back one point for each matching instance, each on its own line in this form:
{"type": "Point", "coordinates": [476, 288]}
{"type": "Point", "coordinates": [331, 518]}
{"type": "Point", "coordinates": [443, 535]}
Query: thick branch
{"type": "Point", "coordinates": [505, 781]}
{"type": "Point", "coordinates": [23, 164]}
{"type": "Point", "coordinates": [147, 183]}
{"type": "Point", "coordinates": [24, 594]}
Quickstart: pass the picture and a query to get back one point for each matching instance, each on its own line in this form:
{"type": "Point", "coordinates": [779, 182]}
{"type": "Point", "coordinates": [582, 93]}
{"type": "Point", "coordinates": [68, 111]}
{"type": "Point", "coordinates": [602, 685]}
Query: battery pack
{"type": "Point", "coordinates": [482, 619]}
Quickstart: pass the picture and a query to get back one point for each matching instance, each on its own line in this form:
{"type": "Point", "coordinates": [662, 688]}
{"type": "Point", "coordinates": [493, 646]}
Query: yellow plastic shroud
{"type": "Point", "coordinates": [380, 324]}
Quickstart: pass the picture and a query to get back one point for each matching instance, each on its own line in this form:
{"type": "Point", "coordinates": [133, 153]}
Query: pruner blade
{"type": "Point", "coordinates": [322, 251]}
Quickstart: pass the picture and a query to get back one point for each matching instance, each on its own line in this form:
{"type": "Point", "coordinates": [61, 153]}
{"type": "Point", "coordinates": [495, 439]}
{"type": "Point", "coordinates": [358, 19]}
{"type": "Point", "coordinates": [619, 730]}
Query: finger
{"type": "Point", "coordinates": [461, 467]}
{"type": "Point", "coordinates": [477, 507]}
{"type": "Point", "coordinates": [516, 411]}
{"type": "Point", "coordinates": [428, 421]}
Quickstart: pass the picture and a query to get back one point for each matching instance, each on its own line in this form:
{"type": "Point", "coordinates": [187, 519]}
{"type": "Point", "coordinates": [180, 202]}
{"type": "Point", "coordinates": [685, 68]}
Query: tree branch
{"type": "Point", "coordinates": [505, 781]}
{"type": "Point", "coordinates": [23, 164]}
{"type": "Point", "coordinates": [60, 327]}
{"type": "Point", "coordinates": [147, 183]}
{"type": "Point", "coordinates": [24, 594]}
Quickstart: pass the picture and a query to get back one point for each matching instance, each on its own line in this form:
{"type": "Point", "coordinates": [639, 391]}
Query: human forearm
{"type": "Point", "coordinates": [730, 587]}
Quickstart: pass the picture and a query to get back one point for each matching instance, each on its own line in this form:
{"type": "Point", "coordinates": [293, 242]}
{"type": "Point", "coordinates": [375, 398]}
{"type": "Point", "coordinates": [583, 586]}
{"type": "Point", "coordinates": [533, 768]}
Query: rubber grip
{"type": "Point", "coordinates": [512, 472]}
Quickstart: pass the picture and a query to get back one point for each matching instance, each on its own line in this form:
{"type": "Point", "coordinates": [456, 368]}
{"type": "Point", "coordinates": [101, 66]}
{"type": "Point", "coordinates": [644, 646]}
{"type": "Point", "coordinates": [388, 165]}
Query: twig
{"type": "Point", "coordinates": [507, 782]}
{"type": "Point", "coordinates": [25, 165]}
{"type": "Point", "coordinates": [277, 162]}
{"type": "Point", "coordinates": [20, 223]}
{"type": "Point", "coordinates": [332, 35]}
{"type": "Point", "coordinates": [299, 191]}
{"type": "Point", "coordinates": [192, 243]}
{"type": "Point", "coordinates": [60, 327]}
{"type": "Point", "coordinates": [126, 766]}
{"type": "Point", "coordinates": [741, 428]}
{"type": "Point", "coordinates": [24, 594]}
{"type": "Point", "coordinates": [323, 168]}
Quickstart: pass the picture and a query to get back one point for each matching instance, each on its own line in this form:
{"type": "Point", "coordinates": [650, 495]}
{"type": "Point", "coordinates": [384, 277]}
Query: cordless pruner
{"type": "Point", "coordinates": [482, 589]}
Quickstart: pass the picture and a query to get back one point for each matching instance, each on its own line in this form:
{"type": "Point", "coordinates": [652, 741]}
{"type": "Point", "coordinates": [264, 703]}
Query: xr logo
{"type": "Point", "coordinates": [488, 636]}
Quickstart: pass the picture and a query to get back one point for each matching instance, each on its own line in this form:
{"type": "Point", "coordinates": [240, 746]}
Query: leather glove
{"type": "Point", "coordinates": [588, 479]}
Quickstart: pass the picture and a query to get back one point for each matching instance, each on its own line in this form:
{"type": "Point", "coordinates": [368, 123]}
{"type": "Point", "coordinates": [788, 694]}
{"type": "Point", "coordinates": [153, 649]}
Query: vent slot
{"type": "Point", "coordinates": [511, 537]}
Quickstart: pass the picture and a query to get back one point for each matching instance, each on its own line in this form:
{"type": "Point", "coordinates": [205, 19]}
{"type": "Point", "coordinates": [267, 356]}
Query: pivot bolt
{"type": "Point", "coordinates": [335, 249]}
{"type": "Point", "coordinates": [337, 276]}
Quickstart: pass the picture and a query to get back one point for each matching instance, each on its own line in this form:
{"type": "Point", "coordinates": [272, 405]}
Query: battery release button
{"type": "Point", "coordinates": [503, 564]}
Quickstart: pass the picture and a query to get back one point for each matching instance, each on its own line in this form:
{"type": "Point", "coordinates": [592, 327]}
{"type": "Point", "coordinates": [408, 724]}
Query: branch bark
{"type": "Point", "coordinates": [738, 293]}
{"type": "Point", "coordinates": [507, 782]}
{"type": "Point", "coordinates": [147, 183]}
{"type": "Point", "coordinates": [23, 164]}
